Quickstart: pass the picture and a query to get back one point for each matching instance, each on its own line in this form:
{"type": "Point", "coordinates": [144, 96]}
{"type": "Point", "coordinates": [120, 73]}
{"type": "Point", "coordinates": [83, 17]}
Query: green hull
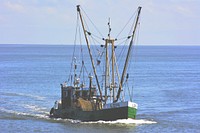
{"type": "Point", "coordinates": [104, 114]}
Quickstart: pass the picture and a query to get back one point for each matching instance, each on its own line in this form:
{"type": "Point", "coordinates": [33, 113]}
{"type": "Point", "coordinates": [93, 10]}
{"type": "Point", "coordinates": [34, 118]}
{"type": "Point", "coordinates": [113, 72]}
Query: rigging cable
{"type": "Point", "coordinates": [134, 60]}
{"type": "Point", "coordinates": [82, 63]}
{"type": "Point", "coordinates": [122, 53]}
{"type": "Point", "coordinates": [77, 23]}
{"type": "Point", "coordinates": [136, 40]}
{"type": "Point", "coordinates": [92, 23]}
{"type": "Point", "coordinates": [89, 33]}
{"type": "Point", "coordinates": [126, 24]}
{"type": "Point", "coordinates": [89, 37]}
{"type": "Point", "coordinates": [130, 32]}
{"type": "Point", "coordinates": [96, 55]}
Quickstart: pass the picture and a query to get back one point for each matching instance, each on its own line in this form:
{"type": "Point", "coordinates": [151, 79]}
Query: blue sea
{"type": "Point", "coordinates": [166, 86]}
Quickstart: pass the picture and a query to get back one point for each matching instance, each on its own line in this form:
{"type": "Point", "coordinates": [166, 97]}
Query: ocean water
{"type": "Point", "coordinates": [166, 87]}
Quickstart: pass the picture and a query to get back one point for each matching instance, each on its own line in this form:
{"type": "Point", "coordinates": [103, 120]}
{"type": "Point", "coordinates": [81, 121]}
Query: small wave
{"type": "Point", "coordinates": [124, 121]}
{"type": "Point", "coordinates": [13, 112]}
{"type": "Point", "coordinates": [36, 108]}
{"type": "Point", "coordinates": [42, 116]}
{"type": "Point", "coordinates": [25, 95]}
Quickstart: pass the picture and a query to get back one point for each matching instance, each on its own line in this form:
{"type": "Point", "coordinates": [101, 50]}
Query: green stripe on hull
{"type": "Point", "coordinates": [132, 112]}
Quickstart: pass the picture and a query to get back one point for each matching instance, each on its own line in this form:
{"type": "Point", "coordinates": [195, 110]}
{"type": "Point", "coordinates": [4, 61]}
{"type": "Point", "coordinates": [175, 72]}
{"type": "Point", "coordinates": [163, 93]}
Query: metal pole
{"type": "Point", "coordinates": [128, 55]}
{"type": "Point", "coordinates": [88, 46]}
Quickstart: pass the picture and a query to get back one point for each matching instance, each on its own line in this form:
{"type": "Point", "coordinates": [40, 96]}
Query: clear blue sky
{"type": "Point", "coordinates": [53, 21]}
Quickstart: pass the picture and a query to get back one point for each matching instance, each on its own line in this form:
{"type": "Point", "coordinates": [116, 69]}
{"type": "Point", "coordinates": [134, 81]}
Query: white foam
{"type": "Point", "coordinates": [125, 121]}
{"type": "Point", "coordinates": [36, 108]}
{"type": "Point", "coordinates": [67, 120]}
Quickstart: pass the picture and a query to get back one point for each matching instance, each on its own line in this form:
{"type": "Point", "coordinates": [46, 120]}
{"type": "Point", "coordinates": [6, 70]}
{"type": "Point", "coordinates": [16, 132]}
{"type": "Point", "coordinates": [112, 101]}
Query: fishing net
{"type": "Point", "coordinates": [85, 105]}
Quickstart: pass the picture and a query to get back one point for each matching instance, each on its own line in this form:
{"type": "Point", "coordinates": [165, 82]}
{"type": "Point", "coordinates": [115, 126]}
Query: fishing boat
{"type": "Point", "coordinates": [97, 99]}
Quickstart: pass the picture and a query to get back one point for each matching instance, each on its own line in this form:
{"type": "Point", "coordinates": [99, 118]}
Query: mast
{"type": "Point", "coordinates": [107, 71]}
{"type": "Point", "coordinates": [113, 69]}
{"type": "Point", "coordinates": [107, 75]}
{"type": "Point", "coordinates": [107, 67]}
{"type": "Point", "coordinates": [112, 86]}
{"type": "Point", "coordinates": [128, 55]}
{"type": "Point", "coordinates": [88, 46]}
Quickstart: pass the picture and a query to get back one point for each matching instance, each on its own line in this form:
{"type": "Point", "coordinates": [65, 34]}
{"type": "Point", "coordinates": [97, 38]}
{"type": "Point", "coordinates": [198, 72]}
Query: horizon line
{"type": "Point", "coordinates": [99, 44]}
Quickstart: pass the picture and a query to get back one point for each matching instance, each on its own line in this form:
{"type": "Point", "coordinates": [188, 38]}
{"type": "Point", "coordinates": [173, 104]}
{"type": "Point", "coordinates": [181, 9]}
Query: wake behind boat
{"type": "Point", "coordinates": [101, 99]}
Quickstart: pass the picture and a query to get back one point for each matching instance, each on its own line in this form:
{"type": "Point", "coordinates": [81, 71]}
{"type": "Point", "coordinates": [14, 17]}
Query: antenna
{"type": "Point", "coordinates": [109, 28]}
